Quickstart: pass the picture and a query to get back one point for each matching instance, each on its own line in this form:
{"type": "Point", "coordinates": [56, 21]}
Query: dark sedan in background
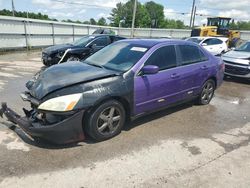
{"type": "Point", "coordinates": [78, 50]}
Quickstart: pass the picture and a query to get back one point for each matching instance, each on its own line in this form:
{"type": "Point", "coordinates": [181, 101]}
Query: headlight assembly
{"type": "Point", "coordinates": [61, 104]}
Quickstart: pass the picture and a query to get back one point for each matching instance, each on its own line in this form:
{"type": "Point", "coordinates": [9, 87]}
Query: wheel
{"type": "Point", "coordinates": [73, 58]}
{"type": "Point", "coordinates": [106, 120]}
{"type": "Point", "coordinates": [207, 92]}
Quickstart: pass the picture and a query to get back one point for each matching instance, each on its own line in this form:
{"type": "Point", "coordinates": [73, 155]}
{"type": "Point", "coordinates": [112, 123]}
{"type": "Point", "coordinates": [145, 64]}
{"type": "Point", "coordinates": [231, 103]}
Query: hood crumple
{"type": "Point", "coordinates": [63, 75]}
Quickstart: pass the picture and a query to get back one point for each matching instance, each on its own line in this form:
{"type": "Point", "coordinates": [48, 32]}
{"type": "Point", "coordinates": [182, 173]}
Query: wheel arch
{"type": "Point", "coordinates": [120, 99]}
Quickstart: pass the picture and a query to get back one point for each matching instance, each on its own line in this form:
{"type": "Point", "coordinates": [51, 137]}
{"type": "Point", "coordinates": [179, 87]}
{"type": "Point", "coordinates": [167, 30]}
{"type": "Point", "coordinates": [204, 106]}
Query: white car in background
{"type": "Point", "coordinates": [215, 45]}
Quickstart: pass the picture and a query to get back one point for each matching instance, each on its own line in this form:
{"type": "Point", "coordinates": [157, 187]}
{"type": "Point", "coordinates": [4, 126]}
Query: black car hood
{"type": "Point", "coordinates": [63, 75]}
{"type": "Point", "coordinates": [57, 48]}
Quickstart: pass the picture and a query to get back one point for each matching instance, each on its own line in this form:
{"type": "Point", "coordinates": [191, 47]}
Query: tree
{"type": "Point", "coordinates": [92, 21]}
{"type": "Point", "coordinates": [124, 13]}
{"type": "Point", "coordinates": [117, 15]}
{"type": "Point", "coordinates": [156, 14]}
{"type": "Point", "coordinates": [102, 21]}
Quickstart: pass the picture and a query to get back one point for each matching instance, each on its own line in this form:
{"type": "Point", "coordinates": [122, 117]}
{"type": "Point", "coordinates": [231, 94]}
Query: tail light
{"type": "Point", "coordinates": [222, 66]}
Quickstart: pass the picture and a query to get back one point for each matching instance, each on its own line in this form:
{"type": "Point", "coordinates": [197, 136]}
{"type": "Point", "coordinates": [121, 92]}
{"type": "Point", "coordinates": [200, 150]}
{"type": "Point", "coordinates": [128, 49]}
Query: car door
{"type": "Point", "coordinates": [213, 45]}
{"type": "Point", "coordinates": [154, 91]}
{"type": "Point", "coordinates": [194, 68]}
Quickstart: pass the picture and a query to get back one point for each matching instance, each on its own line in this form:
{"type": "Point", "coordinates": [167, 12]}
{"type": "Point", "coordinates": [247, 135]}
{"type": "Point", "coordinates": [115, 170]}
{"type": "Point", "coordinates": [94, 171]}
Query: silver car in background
{"type": "Point", "coordinates": [237, 61]}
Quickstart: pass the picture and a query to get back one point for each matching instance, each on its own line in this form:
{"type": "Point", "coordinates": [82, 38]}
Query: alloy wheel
{"type": "Point", "coordinates": [109, 120]}
{"type": "Point", "coordinates": [207, 92]}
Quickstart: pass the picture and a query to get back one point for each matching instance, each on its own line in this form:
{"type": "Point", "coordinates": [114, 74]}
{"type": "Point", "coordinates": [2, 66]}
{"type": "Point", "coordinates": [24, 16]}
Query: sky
{"type": "Point", "coordinates": [173, 9]}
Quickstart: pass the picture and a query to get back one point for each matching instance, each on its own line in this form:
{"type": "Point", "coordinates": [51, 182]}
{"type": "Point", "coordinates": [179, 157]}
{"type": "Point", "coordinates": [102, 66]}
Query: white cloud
{"type": "Point", "coordinates": [50, 4]}
{"type": "Point", "coordinates": [82, 11]}
{"type": "Point", "coordinates": [236, 14]}
{"type": "Point", "coordinates": [102, 15]}
{"type": "Point", "coordinates": [61, 14]}
{"type": "Point", "coordinates": [226, 4]}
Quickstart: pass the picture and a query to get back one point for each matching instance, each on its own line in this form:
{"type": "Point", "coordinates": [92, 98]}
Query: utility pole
{"type": "Point", "coordinates": [194, 17]}
{"type": "Point", "coordinates": [192, 13]}
{"type": "Point", "coordinates": [13, 8]}
{"type": "Point", "coordinates": [133, 21]}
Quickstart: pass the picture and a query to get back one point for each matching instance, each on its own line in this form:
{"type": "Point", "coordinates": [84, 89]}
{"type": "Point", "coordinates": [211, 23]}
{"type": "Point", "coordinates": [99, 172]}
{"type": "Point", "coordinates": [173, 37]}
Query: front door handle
{"type": "Point", "coordinates": [204, 67]}
{"type": "Point", "coordinates": [175, 75]}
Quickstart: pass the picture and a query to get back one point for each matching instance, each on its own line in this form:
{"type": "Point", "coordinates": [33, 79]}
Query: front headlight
{"type": "Point", "coordinates": [61, 104]}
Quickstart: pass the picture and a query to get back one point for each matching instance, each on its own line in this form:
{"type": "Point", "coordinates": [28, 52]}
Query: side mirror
{"type": "Point", "coordinates": [150, 69]}
{"type": "Point", "coordinates": [204, 44]}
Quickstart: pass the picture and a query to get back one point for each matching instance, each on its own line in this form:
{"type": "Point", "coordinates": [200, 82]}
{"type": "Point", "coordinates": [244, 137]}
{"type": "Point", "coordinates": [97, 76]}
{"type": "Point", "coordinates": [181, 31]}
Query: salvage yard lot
{"type": "Point", "coordinates": [188, 145]}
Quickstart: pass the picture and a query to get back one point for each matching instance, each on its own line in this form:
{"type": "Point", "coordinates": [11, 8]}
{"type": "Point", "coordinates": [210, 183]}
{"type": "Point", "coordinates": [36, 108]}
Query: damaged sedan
{"type": "Point", "coordinates": [123, 81]}
{"type": "Point", "coordinates": [78, 50]}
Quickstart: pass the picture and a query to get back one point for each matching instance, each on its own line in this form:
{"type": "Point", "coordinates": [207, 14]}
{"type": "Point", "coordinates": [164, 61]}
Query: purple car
{"type": "Point", "coordinates": [123, 81]}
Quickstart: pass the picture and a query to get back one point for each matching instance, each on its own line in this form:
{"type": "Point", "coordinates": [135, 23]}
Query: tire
{"type": "Point", "coordinates": [105, 121]}
{"type": "Point", "coordinates": [73, 58]}
{"type": "Point", "coordinates": [207, 92]}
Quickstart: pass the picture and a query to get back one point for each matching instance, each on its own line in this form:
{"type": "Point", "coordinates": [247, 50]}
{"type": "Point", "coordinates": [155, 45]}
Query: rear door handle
{"type": "Point", "coordinates": [204, 67]}
{"type": "Point", "coordinates": [175, 75]}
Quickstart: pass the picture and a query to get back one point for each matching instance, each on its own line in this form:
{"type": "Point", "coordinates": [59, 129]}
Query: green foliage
{"type": "Point", "coordinates": [241, 25]}
{"type": "Point", "coordinates": [92, 21]}
{"type": "Point", "coordinates": [149, 15]}
{"type": "Point", "coordinates": [173, 24]}
{"type": "Point", "coordinates": [102, 21]}
{"type": "Point", "coordinates": [32, 15]}
{"type": "Point", "coordinates": [156, 13]}
{"type": "Point", "coordinates": [123, 14]}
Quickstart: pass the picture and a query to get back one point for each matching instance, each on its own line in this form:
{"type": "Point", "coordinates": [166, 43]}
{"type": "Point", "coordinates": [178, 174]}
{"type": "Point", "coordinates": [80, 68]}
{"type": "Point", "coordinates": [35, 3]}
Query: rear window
{"type": "Point", "coordinates": [191, 54]}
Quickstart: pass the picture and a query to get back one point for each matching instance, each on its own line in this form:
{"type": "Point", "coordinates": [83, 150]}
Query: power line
{"type": "Point", "coordinates": [83, 4]}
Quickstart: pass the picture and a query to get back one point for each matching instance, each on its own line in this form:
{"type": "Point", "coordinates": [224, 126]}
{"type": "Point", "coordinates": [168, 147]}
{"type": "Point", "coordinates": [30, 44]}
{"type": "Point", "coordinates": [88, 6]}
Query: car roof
{"type": "Point", "coordinates": [152, 42]}
{"type": "Point", "coordinates": [101, 35]}
{"type": "Point", "coordinates": [203, 38]}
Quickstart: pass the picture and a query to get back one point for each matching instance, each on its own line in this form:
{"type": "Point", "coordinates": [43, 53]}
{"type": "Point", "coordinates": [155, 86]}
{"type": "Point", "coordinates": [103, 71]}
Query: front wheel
{"type": "Point", "coordinates": [106, 120]}
{"type": "Point", "coordinates": [207, 92]}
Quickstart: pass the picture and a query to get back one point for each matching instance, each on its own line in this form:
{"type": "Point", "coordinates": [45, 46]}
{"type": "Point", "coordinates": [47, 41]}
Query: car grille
{"type": "Point", "coordinates": [236, 70]}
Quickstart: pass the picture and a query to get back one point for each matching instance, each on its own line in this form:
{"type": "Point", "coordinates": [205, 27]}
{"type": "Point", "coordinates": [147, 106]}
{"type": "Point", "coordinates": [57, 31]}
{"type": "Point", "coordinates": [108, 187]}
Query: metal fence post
{"type": "Point", "coordinates": [25, 34]}
{"type": "Point", "coordinates": [53, 33]}
{"type": "Point", "coordinates": [73, 30]}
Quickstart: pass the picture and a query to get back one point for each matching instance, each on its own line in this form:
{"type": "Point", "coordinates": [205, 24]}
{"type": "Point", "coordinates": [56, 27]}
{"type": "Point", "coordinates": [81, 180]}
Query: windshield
{"type": "Point", "coordinates": [119, 56]}
{"type": "Point", "coordinates": [195, 40]}
{"type": "Point", "coordinates": [244, 47]}
{"type": "Point", "coordinates": [82, 41]}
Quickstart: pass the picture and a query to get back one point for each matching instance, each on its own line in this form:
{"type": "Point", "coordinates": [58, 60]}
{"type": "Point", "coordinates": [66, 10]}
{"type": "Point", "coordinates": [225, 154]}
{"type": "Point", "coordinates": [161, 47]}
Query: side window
{"type": "Point", "coordinates": [191, 54]}
{"type": "Point", "coordinates": [212, 41]}
{"type": "Point", "coordinates": [164, 58]}
{"type": "Point", "coordinates": [217, 41]}
{"type": "Point", "coordinates": [102, 41]}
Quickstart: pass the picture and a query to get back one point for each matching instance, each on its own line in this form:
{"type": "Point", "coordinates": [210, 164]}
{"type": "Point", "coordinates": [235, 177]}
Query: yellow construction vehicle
{"type": "Point", "coordinates": [218, 27]}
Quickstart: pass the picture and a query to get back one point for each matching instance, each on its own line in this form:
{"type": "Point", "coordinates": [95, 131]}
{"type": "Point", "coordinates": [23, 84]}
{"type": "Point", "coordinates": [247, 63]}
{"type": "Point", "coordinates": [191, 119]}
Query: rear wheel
{"type": "Point", "coordinates": [207, 92]}
{"type": "Point", "coordinates": [106, 121]}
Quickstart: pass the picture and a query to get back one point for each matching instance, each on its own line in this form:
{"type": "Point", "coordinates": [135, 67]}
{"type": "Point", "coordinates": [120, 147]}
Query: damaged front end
{"type": "Point", "coordinates": [58, 128]}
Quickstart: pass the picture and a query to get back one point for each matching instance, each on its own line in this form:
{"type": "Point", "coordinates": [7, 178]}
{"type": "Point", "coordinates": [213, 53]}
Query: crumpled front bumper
{"type": "Point", "coordinates": [66, 131]}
